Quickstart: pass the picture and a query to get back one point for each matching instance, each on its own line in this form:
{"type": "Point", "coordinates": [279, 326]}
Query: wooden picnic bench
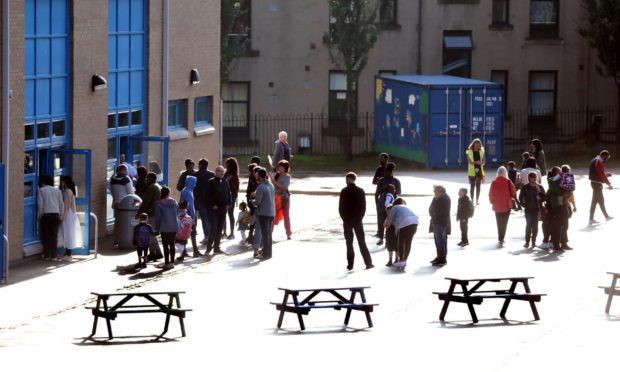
{"type": "Point", "coordinates": [109, 311]}
{"type": "Point", "coordinates": [475, 296]}
{"type": "Point", "coordinates": [612, 290]}
{"type": "Point", "coordinates": [323, 298]}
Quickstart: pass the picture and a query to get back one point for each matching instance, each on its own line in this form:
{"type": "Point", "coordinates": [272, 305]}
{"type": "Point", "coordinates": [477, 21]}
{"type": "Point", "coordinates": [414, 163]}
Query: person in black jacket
{"type": "Point", "coordinates": [218, 202]}
{"type": "Point", "coordinates": [463, 213]}
{"type": "Point", "coordinates": [203, 175]}
{"type": "Point", "coordinates": [352, 208]}
{"type": "Point", "coordinates": [440, 223]}
{"type": "Point", "coordinates": [189, 171]}
{"type": "Point", "coordinates": [380, 192]}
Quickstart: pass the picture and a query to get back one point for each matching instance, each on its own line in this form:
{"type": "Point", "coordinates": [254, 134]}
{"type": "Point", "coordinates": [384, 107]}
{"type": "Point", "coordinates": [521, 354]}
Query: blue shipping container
{"type": "Point", "coordinates": [433, 119]}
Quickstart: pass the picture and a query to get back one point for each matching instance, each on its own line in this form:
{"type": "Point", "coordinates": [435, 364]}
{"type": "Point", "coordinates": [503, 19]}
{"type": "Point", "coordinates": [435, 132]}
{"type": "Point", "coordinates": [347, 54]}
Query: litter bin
{"type": "Point", "coordinates": [126, 212]}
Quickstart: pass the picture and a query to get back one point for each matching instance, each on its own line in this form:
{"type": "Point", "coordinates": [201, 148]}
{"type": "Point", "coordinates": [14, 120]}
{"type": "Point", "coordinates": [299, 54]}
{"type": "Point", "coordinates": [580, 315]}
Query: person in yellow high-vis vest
{"type": "Point", "coordinates": [475, 167]}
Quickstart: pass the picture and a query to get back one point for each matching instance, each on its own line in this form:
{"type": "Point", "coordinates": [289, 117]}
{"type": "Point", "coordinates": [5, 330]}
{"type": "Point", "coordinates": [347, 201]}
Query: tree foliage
{"type": "Point", "coordinates": [230, 47]}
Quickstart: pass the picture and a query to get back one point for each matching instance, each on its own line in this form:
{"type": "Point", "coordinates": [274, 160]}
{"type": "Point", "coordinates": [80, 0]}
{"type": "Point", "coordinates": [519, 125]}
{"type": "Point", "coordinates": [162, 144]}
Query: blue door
{"type": "Point", "coordinates": [152, 153]}
{"type": "Point", "coordinates": [3, 258]}
{"type": "Point", "coordinates": [75, 163]}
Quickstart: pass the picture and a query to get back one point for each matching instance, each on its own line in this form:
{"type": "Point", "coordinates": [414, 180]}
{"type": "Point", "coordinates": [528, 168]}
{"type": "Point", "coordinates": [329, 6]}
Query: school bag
{"type": "Point", "coordinates": [142, 236]}
{"type": "Point", "coordinates": [185, 231]}
{"type": "Point", "coordinates": [567, 181]}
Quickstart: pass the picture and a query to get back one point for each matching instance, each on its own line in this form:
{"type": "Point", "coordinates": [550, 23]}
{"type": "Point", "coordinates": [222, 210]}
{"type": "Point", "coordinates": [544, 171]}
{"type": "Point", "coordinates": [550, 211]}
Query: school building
{"type": "Point", "coordinates": [85, 81]}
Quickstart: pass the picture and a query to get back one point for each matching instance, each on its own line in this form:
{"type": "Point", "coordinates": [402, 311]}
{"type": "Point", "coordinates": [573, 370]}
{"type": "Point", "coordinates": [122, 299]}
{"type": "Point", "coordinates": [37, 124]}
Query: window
{"type": "Point", "coordinates": [501, 77]}
{"type": "Point", "coordinates": [388, 12]}
{"type": "Point", "coordinates": [203, 112]}
{"type": "Point", "coordinates": [338, 100]}
{"type": "Point", "coordinates": [457, 46]}
{"type": "Point", "coordinates": [500, 15]}
{"type": "Point", "coordinates": [542, 90]}
{"type": "Point", "coordinates": [176, 114]}
{"type": "Point", "coordinates": [544, 19]}
{"type": "Point", "coordinates": [239, 34]}
{"type": "Point", "coordinates": [236, 104]}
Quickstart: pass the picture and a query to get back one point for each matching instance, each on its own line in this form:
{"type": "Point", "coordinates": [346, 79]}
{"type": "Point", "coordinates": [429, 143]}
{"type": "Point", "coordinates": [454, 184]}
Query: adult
{"type": "Point", "coordinates": [598, 177]}
{"type": "Point", "coordinates": [282, 150]}
{"type": "Point", "coordinates": [380, 171]}
{"type": "Point", "coordinates": [531, 197]}
{"type": "Point", "coordinates": [264, 199]}
{"type": "Point", "coordinates": [151, 195]}
{"type": "Point", "coordinates": [380, 192]}
{"type": "Point", "coordinates": [558, 211]}
{"type": "Point", "coordinates": [439, 211]}
{"type": "Point", "coordinates": [500, 195]}
{"type": "Point", "coordinates": [167, 224]}
{"type": "Point", "coordinates": [282, 181]}
{"type": "Point", "coordinates": [232, 177]}
{"type": "Point", "coordinates": [475, 168]}
{"type": "Point", "coordinates": [352, 208]}
{"type": "Point", "coordinates": [250, 188]}
{"type": "Point", "coordinates": [50, 207]}
{"type": "Point", "coordinates": [141, 181]}
{"type": "Point", "coordinates": [257, 242]}
{"type": "Point", "coordinates": [189, 171]}
{"type": "Point", "coordinates": [218, 203]}
{"type": "Point", "coordinates": [131, 170]}
{"type": "Point", "coordinates": [203, 175]}
{"type": "Point", "coordinates": [406, 224]}
{"type": "Point", "coordinates": [530, 167]}
{"type": "Point", "coordinates": [538, 153]}
{"type": "Point", "coordinates": [71, 229]}
{"type": "Point", "coordinates": [121, 186]}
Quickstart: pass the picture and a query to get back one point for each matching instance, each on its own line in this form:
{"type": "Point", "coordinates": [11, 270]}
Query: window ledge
{"type": "Point", "coordinates": [501, 27]}
{"type": "Point", "coordinates": [178, 134]}
{"type": "Point", "coordinates": [545, 40]}
{"type": "Point", "coordinates": [203, 130]}
{"type": "Point", "coordinates": [390, 27]}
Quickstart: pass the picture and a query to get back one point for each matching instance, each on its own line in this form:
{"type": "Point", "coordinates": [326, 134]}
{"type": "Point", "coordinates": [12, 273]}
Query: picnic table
{"type": "Point", "coordinates": [612, 290]}
{"type": "Point", "coordinates": [472, 294]}
{"type": "Point", "coordinates": [167, 303]}
{"type": "Point", "coordinates": [323, 298]}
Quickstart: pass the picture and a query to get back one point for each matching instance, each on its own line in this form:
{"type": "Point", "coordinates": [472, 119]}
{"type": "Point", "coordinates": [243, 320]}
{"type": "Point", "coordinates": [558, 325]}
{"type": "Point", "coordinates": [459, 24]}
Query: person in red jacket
{"type": "Point", "coordinates": [500, 195]}
{"type": "Point", "coordinates": [598, 178]}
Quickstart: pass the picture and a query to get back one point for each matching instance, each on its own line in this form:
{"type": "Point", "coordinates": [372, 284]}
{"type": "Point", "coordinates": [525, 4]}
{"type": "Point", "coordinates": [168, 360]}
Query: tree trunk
{"type": "Point", "coordinates": [349, 131]}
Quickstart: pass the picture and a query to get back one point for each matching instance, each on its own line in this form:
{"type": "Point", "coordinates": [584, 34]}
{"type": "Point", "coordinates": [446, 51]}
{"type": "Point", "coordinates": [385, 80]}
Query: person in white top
{"type": "Point", "coordinates": [71, 229]}
{"type": "Point", "coordinates": [132, 172]}
{"type": "Point", "coordinates": [530, 166]}
{"type": "Point", "coordinates": [50, 207]}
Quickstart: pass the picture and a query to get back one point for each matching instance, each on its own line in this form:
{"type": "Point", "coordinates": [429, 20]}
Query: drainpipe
{"type": "Point", "coordinates": [164, 90]}
{"type": "Point", "coordinates": [419, 29]}
{"type": "Point", "coordinates": [5, 122]}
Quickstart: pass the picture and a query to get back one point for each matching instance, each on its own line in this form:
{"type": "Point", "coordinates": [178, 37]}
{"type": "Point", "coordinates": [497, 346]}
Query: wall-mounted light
{"type": "Point", "coordinates": [194, 76]}
{"type": "Point", "coordinates": [99, 82]}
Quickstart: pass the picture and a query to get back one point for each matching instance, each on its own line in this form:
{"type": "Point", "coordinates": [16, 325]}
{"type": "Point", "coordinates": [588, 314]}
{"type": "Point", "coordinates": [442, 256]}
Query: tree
{"type": "Point", "coordinates": [354, 28]}
{"type": "Point", "coordinates": [602, 31]}
{"type": "Point", "coordinates": [233, 44]}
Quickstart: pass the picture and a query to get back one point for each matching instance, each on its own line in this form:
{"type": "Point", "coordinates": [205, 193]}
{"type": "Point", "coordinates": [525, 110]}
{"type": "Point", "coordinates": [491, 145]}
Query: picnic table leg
{"type": "Point", "coordinates": [170, 299]}
{"type": "Point", "coordinates": [299, 315]}
{"type": "Point", "coordinates": [470, 306]}
{"type": "Point", "coordinates": [351, 300]}
{"type": "Point", "coordinates": [532, 303]}
{"type": "Point", "coordinates": [513, 286]}
{"type": "Point", "coordinates": [611, 294]}
{"type": "Point", "coordinates": [368, 319]}
{"type": "Point", "coordinates": [281, 317]}
{"type": "Point", "coordinates": [446, 302]}
{"type": "Point", "coordinates": [181, 321]}
{"type": "Point", "coordinates": [96, 319]}
{"type": "Point", "coordinates": [107, 320]}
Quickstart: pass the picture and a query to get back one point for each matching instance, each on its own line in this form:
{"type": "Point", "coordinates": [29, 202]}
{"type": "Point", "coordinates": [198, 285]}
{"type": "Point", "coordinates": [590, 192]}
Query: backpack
{"type": "Point", "coordinates": [567, 181]}
{"type": "Point", "coordinates": [471, 209]}
{"type": "Point", "coordinates": [185, 231]}
{"type": "Point", "coordinates": [142, 236]}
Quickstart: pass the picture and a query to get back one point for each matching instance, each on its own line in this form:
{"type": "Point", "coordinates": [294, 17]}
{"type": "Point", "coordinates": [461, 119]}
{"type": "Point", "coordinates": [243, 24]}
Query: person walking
{"type": "Point", "coordinates": [598, 177]}
{"type": "Point", "coordinates": [352, 208]}
{"type": "Point", "coordinates": [405, 224]}
{"type": "Point", "coordinates": [151, 196]}
{"type": "Point", "coordinates": [50, 207]}
{"type": "Point", "coordinates": [218, 203]}
{"type": "Point", "coordinates": [121, 186]}
{"type": "Point", "coordinates": [475, 168]}
{"type": "Point", "coordinates": [380, 193]}
{"type": "Point", "coordinates": [167, 224]}
{"type": "Point", "coordinates": [500, 195]}
{"type": "Point", "coordinates": [203, 175]}
{"type": "Point", "coordinates": [282, 181]}
{"type": "Point", "coordinates": [282, 150]}
{"type": "Point", "coordinates": [439, 211]}
{"type": "Point", "coordinates": [539, 154]}
{"type": "Point", "coordinates": [264, 199]}
{"type": "Point", "coordinates": [532, 196]}
{"type": "Point", "coordinates": [189, 171]}
{"type": "Point", "coordinates": [232, 177]}
{"type": "Point", "coordinates": [187, 195]}
{"type": "Point", "coordinates": [71, 228]}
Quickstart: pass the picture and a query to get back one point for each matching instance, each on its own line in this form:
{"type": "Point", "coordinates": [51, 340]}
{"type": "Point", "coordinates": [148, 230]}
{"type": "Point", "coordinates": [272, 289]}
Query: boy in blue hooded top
{"type": "Point", "coordinates": [188, 195]}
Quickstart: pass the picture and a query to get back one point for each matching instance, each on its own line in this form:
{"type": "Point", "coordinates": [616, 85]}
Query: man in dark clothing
{"type": "Point", "coordinates": [152, 194]}
{"type": "Point", "coordinates": [189, 171]}
{"type": "Point", "coordinates": [380, 172]}
{"type": "Point", "coordinates": [352, 208]}
{"type": "Point", "coordinates": [218, 202]}
{"type": "Point", "coordinates": [380, 192]}
{"type": "Point", "coordinates": [440, 223]}
{"type": "Point", "coordinates": [203, 175]}
{"type": "Point", "coordinates": [598, 178]}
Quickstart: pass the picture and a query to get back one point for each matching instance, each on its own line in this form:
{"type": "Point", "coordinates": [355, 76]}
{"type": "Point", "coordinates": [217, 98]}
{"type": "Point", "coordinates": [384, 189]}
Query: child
{"type": "Point", "coordinates": [186, 229]}
{"type": "Point", "coordinates": [531, 197]}
{"type": "Point", "coordinates": [390, 195]}
{"type": "Point", "coordinates": [464, 212]}
{"type": "Point", "coordinates": [524, 157]}
{"type": "Point", "coordinates": [142, 239]}
{"type": "Point", "coordinates": [188, 195]}
{"type": "Point", "coordinates": [391, 240]}
{"type": "Point", "coordinates": [512, 175]}
{"type": "Point", "coordinates": [243, 220]}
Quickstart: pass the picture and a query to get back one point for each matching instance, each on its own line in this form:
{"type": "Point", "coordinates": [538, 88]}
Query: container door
{"type": "Point", "coordinates": [151, 152]}
{"type": "Point", "coordinates": [3, 258]}
{"type": "Point", "coordinates": [484, 111]}
{"type": "Point", "coordinates": [75, 163]}
{"type": "Point", "coordinates": [445, 146]}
